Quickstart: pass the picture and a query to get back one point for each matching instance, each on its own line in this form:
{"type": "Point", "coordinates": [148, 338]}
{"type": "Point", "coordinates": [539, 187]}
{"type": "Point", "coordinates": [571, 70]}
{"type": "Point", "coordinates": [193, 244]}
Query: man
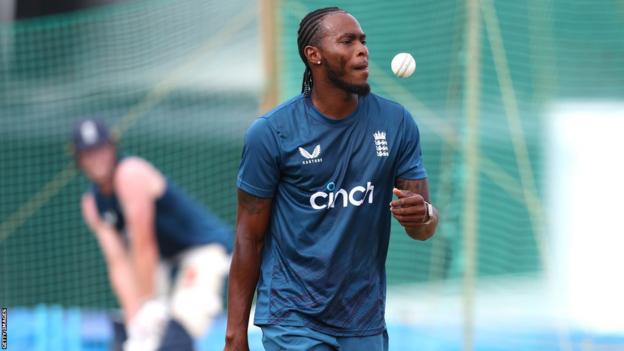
{"type": "Point", "coordinates": [148, 229]}
{"type": "Point", "coordinates": [315, 181]}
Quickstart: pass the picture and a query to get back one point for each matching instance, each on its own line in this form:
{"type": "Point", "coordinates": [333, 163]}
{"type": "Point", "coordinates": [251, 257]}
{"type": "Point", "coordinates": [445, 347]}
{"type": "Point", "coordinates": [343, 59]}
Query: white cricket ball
{"type": "Point", "coordinates": [403, 65]}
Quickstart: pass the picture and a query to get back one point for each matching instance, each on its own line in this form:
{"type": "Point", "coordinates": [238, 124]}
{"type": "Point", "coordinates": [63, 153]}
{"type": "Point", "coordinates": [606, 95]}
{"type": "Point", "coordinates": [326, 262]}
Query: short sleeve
{"type": "Point", "coordinates": [410, 162]}
{"type": "Point", "coordinates": [258, 173]}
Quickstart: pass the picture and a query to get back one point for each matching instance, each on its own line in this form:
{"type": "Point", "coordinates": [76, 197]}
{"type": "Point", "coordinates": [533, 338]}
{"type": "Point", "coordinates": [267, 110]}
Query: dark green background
{"type": "Point", "coordinates": [59, 69]}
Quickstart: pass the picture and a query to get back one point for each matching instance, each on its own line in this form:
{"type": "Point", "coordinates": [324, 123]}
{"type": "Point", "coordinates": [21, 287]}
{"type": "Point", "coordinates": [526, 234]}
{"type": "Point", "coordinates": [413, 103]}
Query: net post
{"type": "Point", "coordinates": [269, 35]}
{"type": "Point", "coordinates": [472, 82]}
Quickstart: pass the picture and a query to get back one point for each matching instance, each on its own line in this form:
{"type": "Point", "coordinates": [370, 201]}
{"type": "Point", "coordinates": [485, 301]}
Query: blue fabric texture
{"type": "Point", "coordinates": [181, 222]}
{"type": "Point", "coordinates": [278, 338]}
{"type": "Point", "coordinates": [331, 181]}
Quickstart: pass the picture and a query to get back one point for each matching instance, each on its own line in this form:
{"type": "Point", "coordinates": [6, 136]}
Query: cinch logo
{"type": "Point", "coordinates": [355, 196]}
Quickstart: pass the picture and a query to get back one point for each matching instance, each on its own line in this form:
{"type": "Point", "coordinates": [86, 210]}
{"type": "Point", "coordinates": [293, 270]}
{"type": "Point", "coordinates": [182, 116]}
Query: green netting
{"type": "Point", "coordinates": [532, 54]}
{"type": "Point", "coordinates": [176, 81]}
{"type": "Point", "coordinates": [180, 80]}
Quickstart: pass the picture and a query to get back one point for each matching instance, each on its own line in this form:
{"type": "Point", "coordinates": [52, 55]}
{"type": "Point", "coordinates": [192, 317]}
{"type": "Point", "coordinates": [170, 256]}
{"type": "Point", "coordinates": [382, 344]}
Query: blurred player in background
{"type": "Point", "coordinates": [167, 257]}
{"type": "Point", "coordinates": [315, 189]}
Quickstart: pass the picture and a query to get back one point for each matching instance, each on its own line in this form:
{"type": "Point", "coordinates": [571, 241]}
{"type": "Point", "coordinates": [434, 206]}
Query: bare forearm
{"type": "Point", "coordinates": [123, 282]}
{"type": "Point", "coordinates": [244, 273]}
{"type": "Point", "coordinates": [252, 222]}
{"type": "Point", "coordinates": [120, 272]}
{"type": "Point", "coordinates": [138, 185]}
{"type": "Point", "coordinates": [145, 263]}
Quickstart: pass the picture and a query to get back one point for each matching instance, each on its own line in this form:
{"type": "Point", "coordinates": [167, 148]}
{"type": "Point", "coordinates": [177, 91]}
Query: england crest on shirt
{"type": "Point", "coordinates": [381, 144]}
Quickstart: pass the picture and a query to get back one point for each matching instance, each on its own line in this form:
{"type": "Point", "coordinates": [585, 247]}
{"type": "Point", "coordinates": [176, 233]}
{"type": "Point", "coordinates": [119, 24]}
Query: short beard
{"type": "Point", "coordinates": [334, 77]}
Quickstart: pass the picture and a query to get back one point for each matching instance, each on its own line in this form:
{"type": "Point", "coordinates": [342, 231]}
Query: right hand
{"type": "Point", "coordinates": [236, 342]}
{"type": "Point", "coordinates": [89, 212]}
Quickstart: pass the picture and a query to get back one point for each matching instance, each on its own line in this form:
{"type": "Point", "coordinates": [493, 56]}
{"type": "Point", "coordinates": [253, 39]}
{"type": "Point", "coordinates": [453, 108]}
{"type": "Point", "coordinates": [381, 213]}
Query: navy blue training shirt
{"type": "Point", "coordinates": [331, 181]}
{"type": "Point", "coordinates": [181, 222]}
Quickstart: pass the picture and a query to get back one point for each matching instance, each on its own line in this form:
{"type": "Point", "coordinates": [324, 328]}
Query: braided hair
{"type": "Point", "coordinates": [308, 35]}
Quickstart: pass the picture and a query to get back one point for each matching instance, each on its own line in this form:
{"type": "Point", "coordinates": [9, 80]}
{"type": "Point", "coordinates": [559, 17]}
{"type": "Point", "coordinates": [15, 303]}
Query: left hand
{"type": "Point", "coordinates": [145, 329]}
{"type": "Point", "coordinates": [409, 209]}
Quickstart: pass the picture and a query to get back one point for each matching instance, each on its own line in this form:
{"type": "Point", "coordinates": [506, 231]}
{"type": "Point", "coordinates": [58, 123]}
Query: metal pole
{"type": "Point", "coordinates": [270, 35]}
{"type": "Point", "coordinates": [472, 84]}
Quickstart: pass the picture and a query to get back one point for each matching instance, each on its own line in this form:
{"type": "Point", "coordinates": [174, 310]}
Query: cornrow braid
{"type": "Point", "coordinates": [308, 35]}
